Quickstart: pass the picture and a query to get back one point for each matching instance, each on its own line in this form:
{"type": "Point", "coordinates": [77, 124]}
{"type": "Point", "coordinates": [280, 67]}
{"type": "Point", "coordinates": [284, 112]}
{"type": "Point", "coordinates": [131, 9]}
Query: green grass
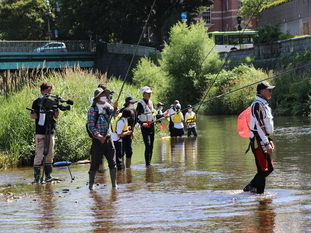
{"type": "Point", "coordinates": [71, 140]}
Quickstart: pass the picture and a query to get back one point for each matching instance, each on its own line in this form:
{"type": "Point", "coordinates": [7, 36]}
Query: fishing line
{"type": "Point", "coordinates": [238, 89]}
{"type": "Point", "coordinates": [136, 48]}
{"type": "Point", "coordinates": [224, 63]}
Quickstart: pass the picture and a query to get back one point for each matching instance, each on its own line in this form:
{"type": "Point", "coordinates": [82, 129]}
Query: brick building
{"type": "Point", "coordinates": [222, 16]}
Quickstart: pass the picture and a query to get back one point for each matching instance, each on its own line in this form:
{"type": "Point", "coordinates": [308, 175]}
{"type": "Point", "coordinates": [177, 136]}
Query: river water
{"type": "Point", "coordinates": [193, 185]}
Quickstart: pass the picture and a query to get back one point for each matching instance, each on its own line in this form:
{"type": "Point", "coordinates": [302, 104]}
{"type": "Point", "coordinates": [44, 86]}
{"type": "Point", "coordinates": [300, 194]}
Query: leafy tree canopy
{"type": "Point", "coordinates": [251, 8]}
{"type": "Point", "coordinates": [184, 65]}
{"type": "Point", "coordinates": [109, 20]}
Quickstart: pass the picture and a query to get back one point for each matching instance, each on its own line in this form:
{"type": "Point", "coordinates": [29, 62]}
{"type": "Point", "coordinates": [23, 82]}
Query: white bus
{"type": "Point", "coordinates": [232, 40]}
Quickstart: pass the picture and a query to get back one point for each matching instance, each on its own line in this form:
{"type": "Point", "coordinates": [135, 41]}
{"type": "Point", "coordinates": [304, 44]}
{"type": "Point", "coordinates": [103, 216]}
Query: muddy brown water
{"type": "Point", "coordinates": [193, 185]}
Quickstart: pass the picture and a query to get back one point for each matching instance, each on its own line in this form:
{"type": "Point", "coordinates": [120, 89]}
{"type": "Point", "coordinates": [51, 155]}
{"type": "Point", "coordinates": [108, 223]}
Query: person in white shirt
{"type": "Point", "coordinates": [120, 130]}
{"type": "Point", "coordinates": [190, 119]}
{"type": "Point", "coordinates": [178, 119]}
{"type": "Point", "coordinates": [261, 126]}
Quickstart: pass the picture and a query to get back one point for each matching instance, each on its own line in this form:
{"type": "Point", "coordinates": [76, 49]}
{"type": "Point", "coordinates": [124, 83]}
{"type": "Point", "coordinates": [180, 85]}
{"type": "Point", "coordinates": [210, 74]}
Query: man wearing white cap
{"type": "Point", "coordinates": [261, 125]}
{"type": "Point", "coordinates": [145, 115]}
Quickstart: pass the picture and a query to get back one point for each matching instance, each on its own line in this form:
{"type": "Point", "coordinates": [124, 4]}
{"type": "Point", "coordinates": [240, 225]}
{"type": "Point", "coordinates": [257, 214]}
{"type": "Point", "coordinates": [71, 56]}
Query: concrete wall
{"type": "Point", "coordinates": [292, 16]}
{"type": "Point", "coordinates": [273, 50]}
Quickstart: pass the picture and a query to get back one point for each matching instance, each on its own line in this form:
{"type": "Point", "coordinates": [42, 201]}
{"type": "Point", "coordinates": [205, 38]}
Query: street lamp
{"type": "Point", "coordinates": [49, 13]}
{"type": "Point", "coordinates": [90, 33]}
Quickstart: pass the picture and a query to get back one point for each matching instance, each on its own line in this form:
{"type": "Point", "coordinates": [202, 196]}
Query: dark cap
{"type": "Point", "coordinates": [189, 106]}
{"type": "Point", "coordinates": [264, 85]}
{"type": "Point", "coordinates": [130, 99]}
{"type": "Point", "coordinates": [126, 113]}
{"type": "Point", "coordinates": [160, 104]}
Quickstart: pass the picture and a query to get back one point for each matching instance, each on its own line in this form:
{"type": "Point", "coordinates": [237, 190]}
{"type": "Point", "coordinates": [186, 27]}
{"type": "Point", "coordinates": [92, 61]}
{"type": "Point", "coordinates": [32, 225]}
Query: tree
{"type": "Point", "coordinates": [123, 20]}
{"type": "Point", "coordinates": [183, 66]}
{"type": "Point", "coordinates": [23, 19]}
{"type": "Point", "coordinates": [109, 20]}
{"type": "Point", "coordinates": [251, 8]}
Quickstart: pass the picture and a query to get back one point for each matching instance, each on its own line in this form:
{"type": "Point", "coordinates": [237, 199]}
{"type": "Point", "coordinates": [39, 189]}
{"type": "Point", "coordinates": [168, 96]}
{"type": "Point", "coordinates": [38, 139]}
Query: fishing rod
{"type": "Point", "coordinates": [235, 90]}
{"type": "Point", "coordinates": [213, 82]}
{"type": "Point", "coordinates": [136, 48]}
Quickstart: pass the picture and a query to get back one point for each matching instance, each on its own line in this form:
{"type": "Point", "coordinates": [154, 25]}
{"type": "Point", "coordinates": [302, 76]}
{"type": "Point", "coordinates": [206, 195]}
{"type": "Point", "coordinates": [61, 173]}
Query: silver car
{"type": "Point", "coordinates": [52, 47]}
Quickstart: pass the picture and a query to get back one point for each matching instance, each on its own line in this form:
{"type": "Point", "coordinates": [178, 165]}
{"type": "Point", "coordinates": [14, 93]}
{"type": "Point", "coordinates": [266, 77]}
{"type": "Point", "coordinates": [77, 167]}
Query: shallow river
{"type": "Point", "coordinates": [193, 185]}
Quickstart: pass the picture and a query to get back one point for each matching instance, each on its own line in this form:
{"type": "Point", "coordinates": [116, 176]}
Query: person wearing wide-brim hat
{"type": "Point", "coordinates": [98, 123]}
{"type": "Point", "coordinates": [127, 140]}
{"type": "Point", "coordinates": [261, 126]}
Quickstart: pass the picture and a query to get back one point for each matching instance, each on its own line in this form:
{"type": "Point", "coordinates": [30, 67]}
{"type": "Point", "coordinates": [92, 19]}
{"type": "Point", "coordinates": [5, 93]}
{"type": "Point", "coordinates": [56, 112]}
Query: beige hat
{"type": "Point", "coordinates": [97, 92]}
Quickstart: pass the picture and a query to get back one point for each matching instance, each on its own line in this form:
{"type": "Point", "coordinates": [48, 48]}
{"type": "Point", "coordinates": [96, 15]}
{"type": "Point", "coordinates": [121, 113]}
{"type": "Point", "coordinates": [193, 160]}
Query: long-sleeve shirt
{"type": "Point", "coordinates": [261, 118]}
{"type": "Point", "coordinates": [102, 127]}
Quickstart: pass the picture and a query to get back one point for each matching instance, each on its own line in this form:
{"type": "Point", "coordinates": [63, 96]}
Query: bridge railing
{"type": "Point", "coordinates": [130, 49]}
{"type": "Point", "coordinates": [72, 46]}
{"type": "Point", "coordinates": [30, 46]}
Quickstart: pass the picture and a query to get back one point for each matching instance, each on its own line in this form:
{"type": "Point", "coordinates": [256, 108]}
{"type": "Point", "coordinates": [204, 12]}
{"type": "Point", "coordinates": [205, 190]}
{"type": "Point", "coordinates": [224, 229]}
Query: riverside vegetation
{"type": "Point", "coordinates": [188, 69]}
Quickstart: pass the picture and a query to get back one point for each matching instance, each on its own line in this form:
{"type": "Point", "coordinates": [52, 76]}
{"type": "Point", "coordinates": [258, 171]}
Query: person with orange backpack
{"type": "Point", "coordinates": [261, 126]}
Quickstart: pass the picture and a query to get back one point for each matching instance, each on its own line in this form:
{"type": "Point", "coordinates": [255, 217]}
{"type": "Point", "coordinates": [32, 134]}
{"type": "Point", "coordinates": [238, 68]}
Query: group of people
{"type": "Point", "coordinates": [115, 140]}
{"type": "Point", "coordinates": [177, 120]}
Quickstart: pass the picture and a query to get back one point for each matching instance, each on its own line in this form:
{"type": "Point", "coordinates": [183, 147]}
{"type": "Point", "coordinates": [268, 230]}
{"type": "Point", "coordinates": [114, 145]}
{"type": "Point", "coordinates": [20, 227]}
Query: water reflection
{"type": "Point", "coordinates": [263, 218]}
{"type": "Point", "coordinates": [45, 198]}
{"type": "Point", "coordinates": [193, 185]}
{"type": "Point", "coordinates": [191, 151]}
{"type": "Point", "coordinates": [103, 210]}
{"type": "Point", "coordinates": [178, 151]}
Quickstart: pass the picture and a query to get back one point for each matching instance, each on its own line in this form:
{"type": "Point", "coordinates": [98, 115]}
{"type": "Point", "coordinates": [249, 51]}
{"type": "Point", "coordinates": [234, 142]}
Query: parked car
{"type": "Point", "coordinates": [52, 47]}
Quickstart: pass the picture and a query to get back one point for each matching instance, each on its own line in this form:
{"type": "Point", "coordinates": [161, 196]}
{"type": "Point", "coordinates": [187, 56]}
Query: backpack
{"type": "Point", "coordinates": [87, 130]}
{"type": "Point", "coordinates": [243, 123]}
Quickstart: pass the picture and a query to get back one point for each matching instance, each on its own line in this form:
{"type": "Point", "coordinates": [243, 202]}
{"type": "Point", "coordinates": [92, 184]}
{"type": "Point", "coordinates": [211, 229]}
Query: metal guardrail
{"type": "Point", "coordinates": [30, 46]}
{"type": "Point", "coordinates": [130, 49]}
{"type": "Point", "coordinates": [71, 46]}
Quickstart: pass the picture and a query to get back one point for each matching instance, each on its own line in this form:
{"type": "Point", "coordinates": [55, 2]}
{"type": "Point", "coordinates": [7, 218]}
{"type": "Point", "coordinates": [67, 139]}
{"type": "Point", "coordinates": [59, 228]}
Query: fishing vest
{"type": "Point", "coordinates": [177, 117]}
{"type": "Point", "coordinates": [190, 118]}
{"type": "Point", "coordinates": [114, 124]}
{"type": "Point", "coordinates": [267, 116]}
{"type": "Point", "coordinates": [148, 115]}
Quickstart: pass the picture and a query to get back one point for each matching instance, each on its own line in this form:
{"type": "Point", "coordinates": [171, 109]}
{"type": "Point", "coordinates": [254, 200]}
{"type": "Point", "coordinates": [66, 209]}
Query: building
{"type": "Point", "coordinates": [222, 16]}
{"type": "Point", "coordinates": [294, 16]}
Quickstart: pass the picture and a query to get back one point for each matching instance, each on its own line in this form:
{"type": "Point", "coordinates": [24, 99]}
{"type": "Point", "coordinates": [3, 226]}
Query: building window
{"type": "Point", "coordinates": [207, 16]}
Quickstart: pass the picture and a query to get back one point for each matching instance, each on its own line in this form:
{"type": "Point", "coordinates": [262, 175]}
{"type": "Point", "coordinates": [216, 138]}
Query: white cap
{"type": "Point", "coordinates": [146, 89]}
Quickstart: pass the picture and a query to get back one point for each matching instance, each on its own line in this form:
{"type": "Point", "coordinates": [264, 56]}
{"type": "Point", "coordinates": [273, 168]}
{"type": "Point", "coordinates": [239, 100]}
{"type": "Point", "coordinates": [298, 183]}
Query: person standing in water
{"type": "Point", "coordinates": [146, 117]}
{"type": "Point", "coordinates": [261, 126]}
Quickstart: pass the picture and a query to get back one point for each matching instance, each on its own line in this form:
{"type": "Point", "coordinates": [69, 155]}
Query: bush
{"type": "Point", "coordinates": [270, 33]}
{"type": "Point", "coordinates": [292, 95]}
{"type": "Point", "coordinates": [71, 139]}
{"type": "Point", "coordinates": [227, 81]}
